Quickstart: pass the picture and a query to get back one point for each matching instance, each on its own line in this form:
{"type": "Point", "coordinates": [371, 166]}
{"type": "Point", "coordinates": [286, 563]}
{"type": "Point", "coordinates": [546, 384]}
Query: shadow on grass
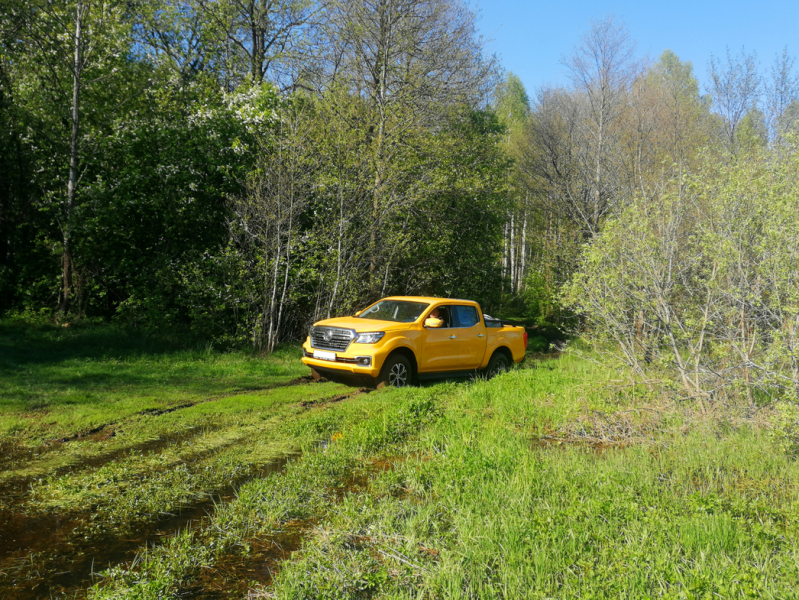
{"type": "Point", "coordinates": [101, 365]}
{"type": "Point", "coordinates": [23, 343]}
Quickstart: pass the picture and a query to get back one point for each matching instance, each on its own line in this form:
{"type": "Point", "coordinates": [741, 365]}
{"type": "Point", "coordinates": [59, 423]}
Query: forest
{"type": "Point", "coordinates": [241, 168]}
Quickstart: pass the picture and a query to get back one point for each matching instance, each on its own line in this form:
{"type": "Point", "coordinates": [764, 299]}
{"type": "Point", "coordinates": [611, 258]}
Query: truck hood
{"type": "Point", "coordinates": [360, 325]}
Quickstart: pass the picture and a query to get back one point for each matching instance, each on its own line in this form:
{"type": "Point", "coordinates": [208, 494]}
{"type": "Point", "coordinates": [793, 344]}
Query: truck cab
{"type": "Point", "coordinates": [402, 338]}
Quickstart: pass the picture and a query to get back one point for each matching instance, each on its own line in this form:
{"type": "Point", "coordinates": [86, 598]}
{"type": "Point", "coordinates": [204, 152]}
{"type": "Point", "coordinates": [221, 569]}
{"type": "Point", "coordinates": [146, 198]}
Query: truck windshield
{"type": "Point", "coordinates": [394, 310]}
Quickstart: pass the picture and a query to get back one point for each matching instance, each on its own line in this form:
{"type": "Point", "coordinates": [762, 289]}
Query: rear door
{"type": "Point", "coordinates": [471, 336]}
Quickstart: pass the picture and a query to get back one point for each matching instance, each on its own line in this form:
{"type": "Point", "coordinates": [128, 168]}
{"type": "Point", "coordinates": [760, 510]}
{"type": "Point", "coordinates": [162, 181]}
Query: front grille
{"type": "Point", "coordinates": [338, 339]}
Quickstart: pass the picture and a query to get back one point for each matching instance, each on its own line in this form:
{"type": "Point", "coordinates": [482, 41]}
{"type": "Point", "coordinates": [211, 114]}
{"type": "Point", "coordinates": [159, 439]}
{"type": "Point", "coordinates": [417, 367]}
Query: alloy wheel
{"type": "Point", "coordinates": [398, 376]}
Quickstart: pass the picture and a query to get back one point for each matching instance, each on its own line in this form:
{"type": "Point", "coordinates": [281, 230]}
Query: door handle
{"type": "Point", "coordinates": [481, 335]}
{"type": "Point", "coordinates": [452, 337]}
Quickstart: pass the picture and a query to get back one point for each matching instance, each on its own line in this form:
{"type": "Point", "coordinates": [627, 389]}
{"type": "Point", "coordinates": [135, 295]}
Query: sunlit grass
{"type": "Point", "coordinates": [62, 381]}
{"type": "Point", "coordinates": [496, 489]}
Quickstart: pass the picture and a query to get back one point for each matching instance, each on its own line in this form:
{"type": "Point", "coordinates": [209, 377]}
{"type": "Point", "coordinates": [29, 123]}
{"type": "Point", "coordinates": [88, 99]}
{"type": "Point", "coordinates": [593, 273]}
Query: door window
{"type": "Point", "coordinates": [467, 316]}
{"type": "Point", "coordinates": [445, 313]}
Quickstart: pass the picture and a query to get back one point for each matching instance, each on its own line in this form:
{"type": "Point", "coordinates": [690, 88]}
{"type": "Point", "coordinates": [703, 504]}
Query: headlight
{"type": "Point", "coordinates": [369, 338]}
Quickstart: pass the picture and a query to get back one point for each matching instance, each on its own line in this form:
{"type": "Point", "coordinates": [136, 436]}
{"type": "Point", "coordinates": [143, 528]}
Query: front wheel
{"type": "Point", "coordinates": [396, 372]}
{"type": "Point", "coordinates": [498, 364]}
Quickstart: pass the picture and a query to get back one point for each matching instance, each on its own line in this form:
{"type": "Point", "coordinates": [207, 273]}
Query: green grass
{"type": "Point", "coordinates": [546, 482]}
{"type": "Point", "coordinates": [62, 381]}
{"type": "Point", "coordinates": [474, 510]}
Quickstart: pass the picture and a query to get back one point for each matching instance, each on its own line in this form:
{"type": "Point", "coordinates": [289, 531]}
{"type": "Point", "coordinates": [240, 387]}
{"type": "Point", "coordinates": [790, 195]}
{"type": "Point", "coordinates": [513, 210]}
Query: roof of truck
{"type": "Point", "coordinates": [427, 299]}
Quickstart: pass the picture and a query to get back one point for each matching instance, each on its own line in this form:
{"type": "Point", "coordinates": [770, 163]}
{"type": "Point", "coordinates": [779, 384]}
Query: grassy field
{"type": "Point", "coordinates": [133, 467]}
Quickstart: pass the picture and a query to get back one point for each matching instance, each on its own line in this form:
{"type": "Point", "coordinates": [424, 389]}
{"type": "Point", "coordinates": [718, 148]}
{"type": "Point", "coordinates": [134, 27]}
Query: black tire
{"type": "Point", "coordinates": [396, 372]}
{"type": "Point", "coordinates": [498, 364]}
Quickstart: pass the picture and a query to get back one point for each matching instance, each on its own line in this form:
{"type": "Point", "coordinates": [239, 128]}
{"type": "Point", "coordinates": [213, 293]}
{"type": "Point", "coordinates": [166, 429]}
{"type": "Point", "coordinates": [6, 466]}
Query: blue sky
{"type": "Point", "coordinates": [531, 37]}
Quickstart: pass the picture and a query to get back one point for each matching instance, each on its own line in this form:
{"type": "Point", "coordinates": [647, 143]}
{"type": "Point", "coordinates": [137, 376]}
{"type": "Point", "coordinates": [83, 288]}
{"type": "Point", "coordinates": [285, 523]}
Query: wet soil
{"type": "Point", "coordinates": [234, 576]}
{"type": "Point", "coordinates": [47, 555]}
{"type": "Point", "coordinates": [339, 398]}
{"type": "Point", "coordinates": [13, 455]}
{"type": "Point", "coordinates": [11, 451]}
{"type": "Point", "coordinates": [42, 557]}
{"type": "Point", "coordinates": [14, 489]}
{"type": "Point", "coordinates": [237, 576]}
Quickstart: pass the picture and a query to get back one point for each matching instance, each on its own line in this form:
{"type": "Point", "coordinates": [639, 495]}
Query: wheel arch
{"type": "Point", "coordinates": [407, 353]}
{"type": "Point", "coordinates": [502, 350]}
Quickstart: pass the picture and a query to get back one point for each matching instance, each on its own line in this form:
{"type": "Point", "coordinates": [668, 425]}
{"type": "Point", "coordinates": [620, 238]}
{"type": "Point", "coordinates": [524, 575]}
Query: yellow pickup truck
{"type": "Point", "coordinates": [403, 338]}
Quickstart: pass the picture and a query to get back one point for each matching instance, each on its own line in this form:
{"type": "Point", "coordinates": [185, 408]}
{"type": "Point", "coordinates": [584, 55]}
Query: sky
{"type": "Point", "coordinates": [531, 38]}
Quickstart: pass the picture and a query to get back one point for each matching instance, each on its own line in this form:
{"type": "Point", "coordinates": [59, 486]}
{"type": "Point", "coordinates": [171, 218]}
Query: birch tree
{"type": "Point", "coordinates": [409, 60]}
{"type": "Point", "coordinates": [73, 51]}
{"type": "Point", "coordinates": [266, 219]}
{"type": "Point", "coordinates": [601, 69]}
{"type": "Point", "coordinates": [735, 86]}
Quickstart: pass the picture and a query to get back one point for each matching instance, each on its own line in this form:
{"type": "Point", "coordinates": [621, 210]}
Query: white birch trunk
{"type": "Point", "coordinates": [523, 254]}
{"type": "Point", "coordinates": [512, 254]}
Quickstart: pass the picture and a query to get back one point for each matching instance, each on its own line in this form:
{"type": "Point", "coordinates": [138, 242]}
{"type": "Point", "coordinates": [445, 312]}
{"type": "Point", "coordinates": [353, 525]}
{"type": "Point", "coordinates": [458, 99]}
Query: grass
{"type": "Point", "coordinates": [474, 509]}
{"type": "Point", "coordinates": [61, 381]}
{"type": "Point", "coordinates": [545, 482]}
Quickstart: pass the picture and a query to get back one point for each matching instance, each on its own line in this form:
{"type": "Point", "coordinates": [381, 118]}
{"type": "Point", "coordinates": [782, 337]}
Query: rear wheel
{"type": "Point", "coordinates": [498, 364]}
{"type": "Point", "coordinates": [396, 372]}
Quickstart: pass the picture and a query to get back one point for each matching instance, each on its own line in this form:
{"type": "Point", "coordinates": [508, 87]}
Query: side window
{"type": "Point", "coordinates": [467, 316]}
{"type": "Point", "coordinates": [445, 314]}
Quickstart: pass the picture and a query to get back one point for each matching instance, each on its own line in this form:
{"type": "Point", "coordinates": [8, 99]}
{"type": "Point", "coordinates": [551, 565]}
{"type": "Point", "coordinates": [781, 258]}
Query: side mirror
{"type": "Point", "coordinates": [433, 323]}
{"type": "Point", "coordinates": [358, 313]}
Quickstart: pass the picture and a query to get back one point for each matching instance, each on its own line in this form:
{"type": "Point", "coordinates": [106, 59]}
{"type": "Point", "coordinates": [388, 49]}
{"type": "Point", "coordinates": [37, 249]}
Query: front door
{"type": "Point", "coordinates": [440, 351]}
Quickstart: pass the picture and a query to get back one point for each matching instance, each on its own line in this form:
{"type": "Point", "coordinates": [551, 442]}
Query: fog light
{"type": "Point", "coordinates": [364, 361]}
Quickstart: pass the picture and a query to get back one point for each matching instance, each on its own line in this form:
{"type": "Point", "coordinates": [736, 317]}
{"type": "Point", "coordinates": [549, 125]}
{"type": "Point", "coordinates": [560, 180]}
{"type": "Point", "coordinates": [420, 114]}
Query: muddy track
{"type": "Point", "coordinates": [155, 412]}
{"type": "Point", "coordinates": [44, 554]}
{"type": "Point", "coordinates": [339, 398]}
{"type": "Point", "coordinates": [11, 451]}
{"type": "Point", "coordinates": [26, 528]}
{"type": "Point", "coordinates": [14, 489]}
{"type": "Point", "coordinates": [235, 573]}
{"type": "Point", "coordinates": [41, 556]}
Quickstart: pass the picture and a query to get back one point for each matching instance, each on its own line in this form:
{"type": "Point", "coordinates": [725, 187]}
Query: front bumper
{"type": "Point", "coordinates": [350, 361]}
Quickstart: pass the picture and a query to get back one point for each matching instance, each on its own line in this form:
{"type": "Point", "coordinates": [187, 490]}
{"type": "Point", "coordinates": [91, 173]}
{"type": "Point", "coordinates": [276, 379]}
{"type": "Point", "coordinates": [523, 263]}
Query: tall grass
{"type": "Point", "coordinates": [477, 509]}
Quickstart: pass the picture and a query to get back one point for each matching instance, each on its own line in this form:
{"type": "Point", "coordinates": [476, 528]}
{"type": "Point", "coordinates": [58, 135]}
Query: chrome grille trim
{"type": "Point", "coordinates": [339, 339]}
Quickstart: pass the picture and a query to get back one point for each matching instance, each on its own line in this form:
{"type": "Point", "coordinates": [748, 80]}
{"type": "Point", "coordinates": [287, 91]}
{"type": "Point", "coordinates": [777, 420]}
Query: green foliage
{"type": "Point", "coordinates": [698, 283]}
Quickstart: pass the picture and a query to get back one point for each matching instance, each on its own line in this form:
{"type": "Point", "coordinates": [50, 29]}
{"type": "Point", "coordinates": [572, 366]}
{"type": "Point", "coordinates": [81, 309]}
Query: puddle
{"type": "Point", "coordinates": [13, 455]}
{"type": "Point", "coordinates": [237, 576]}
{"type": "Point", "coordinates": [42, 557]}
{"type": "Point", "coordinates": [233, 576]}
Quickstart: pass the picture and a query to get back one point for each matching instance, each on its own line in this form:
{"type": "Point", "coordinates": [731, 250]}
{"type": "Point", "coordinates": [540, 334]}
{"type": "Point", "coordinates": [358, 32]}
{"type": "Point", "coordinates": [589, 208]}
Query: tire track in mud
{"type": "Point", "coordinates": [236, 573]}
{"type": "Point", "coordinates": [33, 526]}
{"type": "Point", "coordinates": [43, 556]}
{"type": "Point", "coordinates": [10, 451]}
{"type": "Point", "coordinates": [157, 412]}
{"type": "Point", "coordinates": [15, 489]}
{"type": "Point", "coordinates": [339, 398]}
{"type": "Point", "coordinates": [62, 563]}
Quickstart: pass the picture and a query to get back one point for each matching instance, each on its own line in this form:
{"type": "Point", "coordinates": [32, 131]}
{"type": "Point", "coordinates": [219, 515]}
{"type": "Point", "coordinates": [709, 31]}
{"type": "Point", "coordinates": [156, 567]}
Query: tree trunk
{"type": "Point", "coordinates": [512, 253]}
{"type": "Point", "coordinates": [66, 225]}
{"type": "Point", "coordinates": [338, 253]}
{"type": "Point", "coordinates": [523, 254]}
{"type": "Point", "coordinates": [504, 253]}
